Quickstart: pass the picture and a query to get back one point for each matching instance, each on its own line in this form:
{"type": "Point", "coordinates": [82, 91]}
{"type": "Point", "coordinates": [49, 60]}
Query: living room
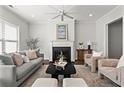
{"type": "Point", "coordinates": [73, 40]}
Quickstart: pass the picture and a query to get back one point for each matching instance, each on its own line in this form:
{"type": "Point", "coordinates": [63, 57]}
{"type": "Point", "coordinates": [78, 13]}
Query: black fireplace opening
{"type": "Point", "coordinates": [65, 50]}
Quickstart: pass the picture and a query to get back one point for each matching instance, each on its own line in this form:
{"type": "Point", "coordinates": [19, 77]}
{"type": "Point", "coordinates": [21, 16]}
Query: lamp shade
{"type": "Point", "coordinates": [89, 43]}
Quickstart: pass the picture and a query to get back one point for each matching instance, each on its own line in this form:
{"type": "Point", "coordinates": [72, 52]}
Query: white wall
{"type": "Point", "coordinates": [14, 19]}
{"type": "Point", "coordinates": [42, 32]}
{"type": "Point", "coordinates": [101, 27]}
{"type": "Point", "coordinates": [85, 31]}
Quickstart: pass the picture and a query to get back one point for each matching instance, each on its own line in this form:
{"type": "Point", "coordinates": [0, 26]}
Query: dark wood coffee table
{"type": "Point", "coordinates": [67, 71]}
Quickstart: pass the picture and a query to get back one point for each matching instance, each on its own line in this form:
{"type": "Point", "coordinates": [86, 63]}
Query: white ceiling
{"type": "Point", "coordinates": [43, 13]}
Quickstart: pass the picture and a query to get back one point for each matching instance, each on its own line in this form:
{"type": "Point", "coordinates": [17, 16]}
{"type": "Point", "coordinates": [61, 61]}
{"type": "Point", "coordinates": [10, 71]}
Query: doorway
{"type": "Point", "coordinates": [115, 38]}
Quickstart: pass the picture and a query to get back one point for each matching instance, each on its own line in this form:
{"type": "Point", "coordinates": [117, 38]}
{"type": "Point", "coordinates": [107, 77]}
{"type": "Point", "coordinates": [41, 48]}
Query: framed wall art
{"type": "Point", "coordinates": [61, 33]}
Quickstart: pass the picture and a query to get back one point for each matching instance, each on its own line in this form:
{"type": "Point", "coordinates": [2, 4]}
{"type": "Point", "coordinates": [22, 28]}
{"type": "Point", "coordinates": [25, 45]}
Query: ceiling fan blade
{"type": "Point", "coordinates": [55, 17]}
{"type": "Point", "coordinates": [11, 6]}
{"type": "Point", "coordinates": [54, 8]}
{"type": "Point", "coordinates": [69, 16]}
{"type": "Point", "coordinates": [52, 13]}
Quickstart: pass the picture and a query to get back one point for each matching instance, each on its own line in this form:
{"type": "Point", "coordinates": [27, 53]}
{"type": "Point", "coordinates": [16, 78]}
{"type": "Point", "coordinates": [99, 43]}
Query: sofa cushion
{"type": "Point", "coordinates": [24, 69]}
{"type": "Point", "coordinates": [36, 61]}
{"type": "Point", "coordinates": [110, 72]}
{"type": "Point", "coordinates": [17, 59]}
{"type": "Point", "coordinates": [38, 52]}
{"type": "Point", "coordinates": [25, 58]}
{"type": "Point", "coordinates": [27, 67]}
{"type": "Point", "coordinates": [31, 54]}
{"type": "Point", "coordinates": [7, 59]}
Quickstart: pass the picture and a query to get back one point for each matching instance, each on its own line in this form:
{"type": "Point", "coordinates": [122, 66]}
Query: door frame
{"type": "Point", "coordinates": [106, 35]}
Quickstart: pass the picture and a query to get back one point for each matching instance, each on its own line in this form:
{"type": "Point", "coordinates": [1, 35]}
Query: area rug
{"type": "Point", "coordinates": [91, 79]}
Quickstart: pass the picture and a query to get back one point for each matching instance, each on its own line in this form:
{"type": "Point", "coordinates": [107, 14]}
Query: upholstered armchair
{"type": "Point", "coordinates": [92, 61]}
{"type": "Point", "coordinates": [107, 67]}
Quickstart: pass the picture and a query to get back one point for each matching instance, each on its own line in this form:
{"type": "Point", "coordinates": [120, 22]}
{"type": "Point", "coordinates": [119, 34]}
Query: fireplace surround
{"type": "Point", "coordinates": [65, 50]}
{"type": "Point", "coordinates": [61, 44]}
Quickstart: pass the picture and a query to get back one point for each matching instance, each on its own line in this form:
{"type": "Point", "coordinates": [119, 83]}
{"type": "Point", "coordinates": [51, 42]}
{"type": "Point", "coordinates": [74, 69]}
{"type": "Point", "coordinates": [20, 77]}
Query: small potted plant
{"type": "Point", "coordinates": [61, 57]}
{"type": "Point", "coordinates": [81, 45]}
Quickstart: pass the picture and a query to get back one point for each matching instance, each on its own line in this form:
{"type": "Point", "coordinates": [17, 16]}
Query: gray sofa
{"type": "Point", "coordinates": [12, 75]}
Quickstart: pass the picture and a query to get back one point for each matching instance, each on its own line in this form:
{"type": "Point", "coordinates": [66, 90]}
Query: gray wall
{"type": "Point", "coordinates": [115, 39]}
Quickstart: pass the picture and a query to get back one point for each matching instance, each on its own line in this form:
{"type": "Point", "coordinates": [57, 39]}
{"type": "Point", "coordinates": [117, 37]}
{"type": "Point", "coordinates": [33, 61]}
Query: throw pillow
{"type": "Point", "coordinates": [121, 62]}
{"type": "Point", "coordinates": [97, 54]}
{"type": "Point", "coordinates": [17, 59]}
{"type": "Point", "coordinates": [31, 54]}
{"type": "Point", "coordinates": [7, 59]}
{"type": "Point", "coordinates": [25, 58]}
{"type": "Point", "coordinates": [38, 53]}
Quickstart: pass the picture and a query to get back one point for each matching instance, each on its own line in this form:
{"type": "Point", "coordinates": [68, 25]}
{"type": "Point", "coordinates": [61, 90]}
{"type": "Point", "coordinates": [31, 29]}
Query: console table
{"type": "Point", "coordinates": [80, 55]}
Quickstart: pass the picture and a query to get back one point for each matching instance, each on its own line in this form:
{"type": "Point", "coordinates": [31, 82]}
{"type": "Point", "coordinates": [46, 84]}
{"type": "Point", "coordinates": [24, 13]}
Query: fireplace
{"type": "Point", "coordinates": [65, 50]}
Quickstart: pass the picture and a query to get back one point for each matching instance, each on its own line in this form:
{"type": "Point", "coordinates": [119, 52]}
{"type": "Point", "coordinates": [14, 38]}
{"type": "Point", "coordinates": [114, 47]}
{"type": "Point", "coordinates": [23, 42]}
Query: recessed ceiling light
{"type": "Point", "coordinates": [90, 15]}
{"type": "Point", "coordinates": [32, 16]}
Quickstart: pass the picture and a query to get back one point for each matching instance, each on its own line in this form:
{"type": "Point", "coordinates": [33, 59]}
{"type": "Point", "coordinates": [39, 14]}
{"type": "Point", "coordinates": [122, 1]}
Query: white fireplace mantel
{"type": "Point", "coordinates": [65, 43]}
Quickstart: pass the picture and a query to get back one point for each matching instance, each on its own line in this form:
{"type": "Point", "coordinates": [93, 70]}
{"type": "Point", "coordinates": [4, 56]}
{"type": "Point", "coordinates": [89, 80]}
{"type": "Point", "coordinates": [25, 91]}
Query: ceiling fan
{"type": "Point", "coordinates": [61, 13]}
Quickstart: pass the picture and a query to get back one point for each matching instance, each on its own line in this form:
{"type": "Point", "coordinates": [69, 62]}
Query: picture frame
{"type": "Point", "coordinates": [61, 32]}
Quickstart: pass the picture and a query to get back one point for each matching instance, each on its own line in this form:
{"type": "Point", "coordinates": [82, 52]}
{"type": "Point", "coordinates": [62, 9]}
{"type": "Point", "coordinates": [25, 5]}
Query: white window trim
{"type": "Point", "coordinates": [3, 37]}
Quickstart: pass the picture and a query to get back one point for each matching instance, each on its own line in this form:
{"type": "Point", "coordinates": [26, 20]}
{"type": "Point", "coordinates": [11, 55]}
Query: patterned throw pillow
{"type": "Point", "coordinates": [17, 59]}
{"type": "Point", "coordinates": [31, 54]}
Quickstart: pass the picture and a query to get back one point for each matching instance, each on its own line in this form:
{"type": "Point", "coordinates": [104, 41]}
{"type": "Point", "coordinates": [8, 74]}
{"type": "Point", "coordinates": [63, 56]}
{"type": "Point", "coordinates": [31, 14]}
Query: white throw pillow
{"type": "Point", "coordinates": [121, 62]}
{"type": "Point", "coordinates": [97, 54]}
{"type": "Point", "coordinates": [25, 58]}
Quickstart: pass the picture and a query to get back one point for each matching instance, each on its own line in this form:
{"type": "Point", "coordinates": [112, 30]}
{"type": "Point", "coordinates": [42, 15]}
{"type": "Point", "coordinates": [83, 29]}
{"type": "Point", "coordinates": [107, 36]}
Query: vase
{"type": "Point", "coordinates": [81, 46]}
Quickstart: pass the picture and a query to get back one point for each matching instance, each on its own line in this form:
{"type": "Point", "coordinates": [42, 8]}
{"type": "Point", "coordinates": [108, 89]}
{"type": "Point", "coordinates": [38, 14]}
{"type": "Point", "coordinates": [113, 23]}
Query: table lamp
{"type": "Point", "coordinates": [89, 45]}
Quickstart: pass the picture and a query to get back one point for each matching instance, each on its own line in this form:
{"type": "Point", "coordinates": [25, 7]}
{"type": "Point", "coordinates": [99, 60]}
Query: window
{"type": "Point", "coordinates": [8, 38]}
{"type": "Point", "coordinates": [10, 47]}
{"type": "Point", "coordinates": [10, 33]}
{"type": "Point", "coordinates": [11, 38]}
